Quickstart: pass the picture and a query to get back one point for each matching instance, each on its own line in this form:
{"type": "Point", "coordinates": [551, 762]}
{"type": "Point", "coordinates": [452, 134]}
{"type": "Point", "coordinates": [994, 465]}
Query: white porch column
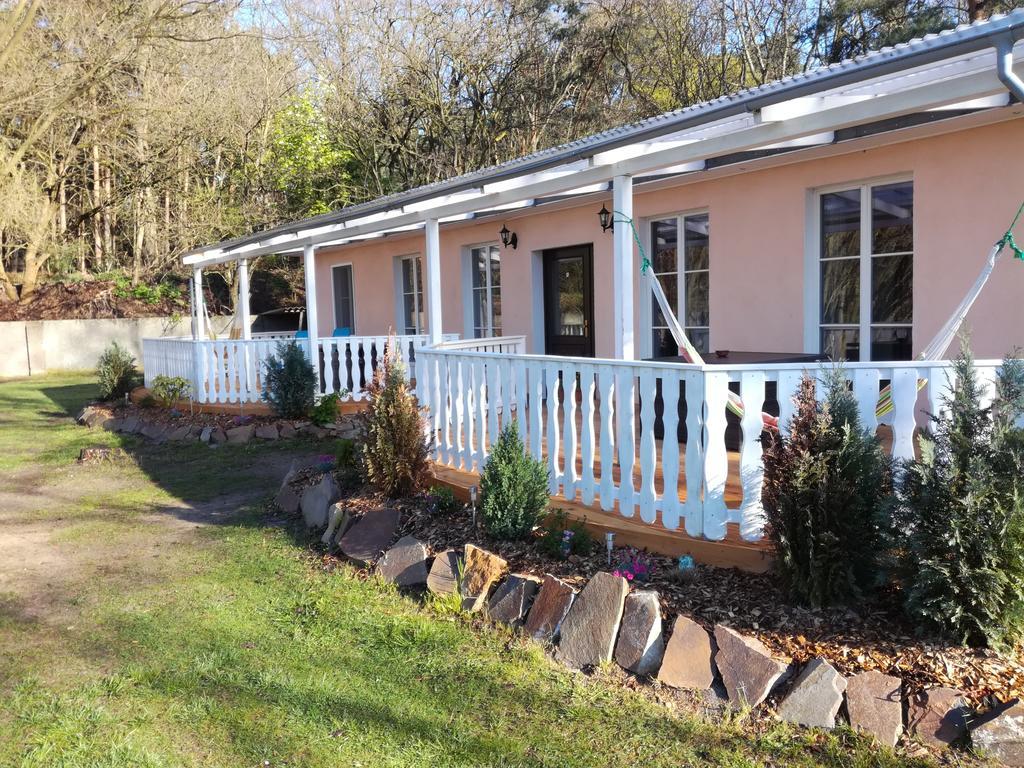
{"type": "Point", "coordinates": [197, 292]}
{"type": "Point", "coordinates": [622, 272]}
{"type": "Point", "coordinates": [309, 271]}
{"type": "Point", "coordinates": [433, 267]}
{"type": "Point", "coordinates": [243, 298]}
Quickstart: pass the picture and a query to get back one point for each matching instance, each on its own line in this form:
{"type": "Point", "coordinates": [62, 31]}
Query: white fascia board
{"type": "Point", "coordinates": [433, 202]}
{"type": "Point", "coordinates": [518, 182]}
{"type": "Point", "coordinates": [836, 116]}
{"type": "Point", "coordinates": [827, 137]}
{"type": "Point", "coordinates": [807, 105]}
{"type": "Point", "coordinates": [636, 150]}
{"type": "Point", "coordinates": [696, 165]}
{"type": "Point", "coordinates": [985, 102]}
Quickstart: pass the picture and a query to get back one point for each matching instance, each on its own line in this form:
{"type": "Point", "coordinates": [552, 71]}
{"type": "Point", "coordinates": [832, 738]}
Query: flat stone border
{"type": "Point", "coordinates": [97, 415]}
{"type": "Point", "coordinates": [606, 621]}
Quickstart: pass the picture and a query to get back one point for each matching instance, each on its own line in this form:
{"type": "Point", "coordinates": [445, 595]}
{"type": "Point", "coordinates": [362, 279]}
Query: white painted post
{"type": "Point", "coordinates": [198, 334]}
{"type": "Point", "coordinates": [197, 288]}
{"type": "Point", "coordinates": [243, 298]}
{"type": "Point", "coordinates": [433, 267]}
{"type": "Point", "coordinates": [309, 271]}
{"type": "Point", "coordinates": [622, 243]}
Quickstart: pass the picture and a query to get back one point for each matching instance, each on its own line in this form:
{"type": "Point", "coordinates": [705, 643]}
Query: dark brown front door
{"type": "Point", "coordinates": [569, 301]}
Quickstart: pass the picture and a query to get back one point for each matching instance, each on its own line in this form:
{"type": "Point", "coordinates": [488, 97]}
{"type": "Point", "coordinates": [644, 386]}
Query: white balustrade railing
{"type": "Point", "coordinates": [232, 370]}
{"type": "Point", "coordinates": [619, 432]}
{"type": "Point", "coordinates": [512, 345]}
{"type": "Point", "coordinates": [167, 357]}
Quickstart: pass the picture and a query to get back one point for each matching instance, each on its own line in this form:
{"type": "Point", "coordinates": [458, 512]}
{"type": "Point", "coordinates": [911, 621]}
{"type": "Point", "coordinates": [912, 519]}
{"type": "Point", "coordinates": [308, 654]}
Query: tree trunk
{"type": "Point", "coordinates": [7, 290]}
{"type": "Point", "coordinates": [97, 204]}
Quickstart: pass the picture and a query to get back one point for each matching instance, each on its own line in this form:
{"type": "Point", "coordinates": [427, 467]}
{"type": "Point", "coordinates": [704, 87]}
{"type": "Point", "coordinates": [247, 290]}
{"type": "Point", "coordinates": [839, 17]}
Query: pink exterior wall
{"type": "Point", "coordinates": [967, 185]}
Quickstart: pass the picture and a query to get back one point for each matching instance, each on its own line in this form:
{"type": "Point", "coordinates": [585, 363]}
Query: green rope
{"type": "Point", "coordinates": [1008, 237]}
{"type": "Point", "coordinates": [645, 263]}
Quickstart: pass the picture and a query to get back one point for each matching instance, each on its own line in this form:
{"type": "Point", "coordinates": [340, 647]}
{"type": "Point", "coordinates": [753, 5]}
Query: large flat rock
{"type": "Point", "coordinates": [747, 667]}
{"type": "Point", "coordinates": [370, 535]}
{"type": "Point", "coordinates": [1000, 735]}
{"type": "Point", "coordinates": [549, 609]}
{"type": "Point", "coordinates": [592, 624]}
{"type": "Point", "coordinates": [689, 657]}
{"type": "Point", "coordinates": [405, 564]}
{"type": "Point", "coordinates": [512, 599]}
{"type": "Point", "coordinates": [242, 434]}
{"type": "Point", "coordinates": [481, 571]}
{"type": "Point", "coordinates": [641, 642]}
{"type": "Point", "coordinates": [443, 578]}
{"type": "Point", "coordinates": [938, 716]}
{"type": "Point", "coordinates": [316, 500]}
{"type": "Point", "coordinates": [875, 703]}
{"type": "Point", "coordinates": [815, 697]}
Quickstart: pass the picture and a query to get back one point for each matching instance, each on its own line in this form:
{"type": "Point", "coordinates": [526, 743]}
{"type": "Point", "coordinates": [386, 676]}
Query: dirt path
{"type": "Point", "coordinates": [61, 529]}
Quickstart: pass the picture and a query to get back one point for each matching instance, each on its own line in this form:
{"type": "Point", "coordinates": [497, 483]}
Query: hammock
{"type": "Point", "coordinates": [932, 351]}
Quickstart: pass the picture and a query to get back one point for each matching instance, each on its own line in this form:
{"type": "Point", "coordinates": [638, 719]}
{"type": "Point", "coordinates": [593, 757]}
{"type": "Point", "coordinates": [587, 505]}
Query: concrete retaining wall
{"type": "Point", "coordinates": [29, 348]}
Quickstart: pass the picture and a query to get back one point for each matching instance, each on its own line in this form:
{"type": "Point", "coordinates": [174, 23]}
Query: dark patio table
{"type": "Point", "coordinates": [733, 433]}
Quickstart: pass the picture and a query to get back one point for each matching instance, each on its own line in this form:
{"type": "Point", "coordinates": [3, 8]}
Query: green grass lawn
{"type": "Point", "coordinates": [158, 642]}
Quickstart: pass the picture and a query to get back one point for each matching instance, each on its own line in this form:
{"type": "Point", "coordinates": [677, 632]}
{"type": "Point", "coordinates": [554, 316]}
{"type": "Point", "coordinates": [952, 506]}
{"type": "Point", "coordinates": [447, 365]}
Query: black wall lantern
{"type": "Point", "coordinates": [605, 217]}
{"type": "Point", "coordinates": [508, 238]}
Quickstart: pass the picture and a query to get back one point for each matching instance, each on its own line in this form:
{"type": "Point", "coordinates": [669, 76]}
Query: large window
{"type": "Point", "coordinates": [485, 265]}
{"type": "Point", "coordinates": [344, 313]}
{"type": "Point", "coordinates": [413, 311]}
{"type": "Point", "coordinates": [690, 274]}
{"type": "Point", "coordinates": [867, 272]}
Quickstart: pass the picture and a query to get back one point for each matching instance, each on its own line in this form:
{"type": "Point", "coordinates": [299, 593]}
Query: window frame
{"type": "Point", "coordinates": [814, 326]}
{"type": "Point", "coordinates": [352, 294]}
{"type": "Point", "coordinates": [470, 290]}
{"type": "Point", "coordinates": [418, 295]}
{"type": "Point", "coordinates": [646, 312]}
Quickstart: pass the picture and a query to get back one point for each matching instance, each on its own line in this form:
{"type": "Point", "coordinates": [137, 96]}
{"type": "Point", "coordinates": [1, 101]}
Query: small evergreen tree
{"type": "Point", "coordinates": [396, 448]}
{"type": "Point", "coordinates": [824, 485]}
{"type": "Point", "coordinates": [514, 486]}
{"type": "Point", "coordinates": [116, 372]}
{"type": "Point", "coordinates": [290, 382]}
{"type": "Point", "coordinates": [959, 527]}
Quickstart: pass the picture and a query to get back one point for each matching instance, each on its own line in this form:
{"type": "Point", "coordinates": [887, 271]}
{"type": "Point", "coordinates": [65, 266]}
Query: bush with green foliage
{"type": "Point", "coordinates": [826, 485]}
{"type": "Point", "coordinates": [116, 372]}
{"type": "Point", "coordinates": [290, 382]}
{"type": "Point", "coordinates": [326, 411]}
{"type": "Point", "coordinates": [959, 526]}
{"type": "Point", "coordinates": [395, 452]}
{"type": "Point", "coordinates": [554, 541]}
{"type": "Point", "coordinates": [444, 500]}
{"type": "Point", "coordinates": [167, 390]}
{"type": "Point", "coordinates": [514, 487]}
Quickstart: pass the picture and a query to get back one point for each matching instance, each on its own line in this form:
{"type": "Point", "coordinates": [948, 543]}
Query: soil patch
{"type": "Point", "coordinates": [95, 299]}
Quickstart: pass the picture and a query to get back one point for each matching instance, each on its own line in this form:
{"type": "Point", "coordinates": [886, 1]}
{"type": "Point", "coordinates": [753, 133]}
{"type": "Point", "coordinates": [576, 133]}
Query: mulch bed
{"type": "Point", "coordinates": [86, 300]}
{"type": "Point", "coordinates": [168, 418]}
{"type": "Point", "coordinates": [877, 638]}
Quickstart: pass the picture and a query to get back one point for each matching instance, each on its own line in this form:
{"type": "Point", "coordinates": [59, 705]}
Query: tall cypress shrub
{"type": "Point", "coordinates": [825, 484]}
{"type": "Point", "coordinates": [959, 528]}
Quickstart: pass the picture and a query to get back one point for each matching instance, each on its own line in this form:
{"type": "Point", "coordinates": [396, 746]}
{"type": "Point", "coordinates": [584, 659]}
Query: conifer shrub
{"type": "Point", "coordinates": [825, 486]}
{"type": "Point", "coordinates": [958, 530]}
{"type": "Point", "coordinates": [396, 449]}
{"type": "Point", "coordinates": [289, 382]}
{"type": "Point", "coordinates": [116, 372]}
{"type": "Point", "coordinates": [514, 487]}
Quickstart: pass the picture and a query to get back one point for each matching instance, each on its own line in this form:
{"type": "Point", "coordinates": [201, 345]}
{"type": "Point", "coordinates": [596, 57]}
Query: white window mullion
{"type": "Point", "coordinates": [865, 273]}
{"type": "Point", "coordinates": [681, 271]}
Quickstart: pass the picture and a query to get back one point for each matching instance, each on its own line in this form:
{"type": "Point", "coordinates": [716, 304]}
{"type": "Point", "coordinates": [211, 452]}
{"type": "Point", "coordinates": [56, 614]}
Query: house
{"type": "Point", "coordinates": [840, 213]}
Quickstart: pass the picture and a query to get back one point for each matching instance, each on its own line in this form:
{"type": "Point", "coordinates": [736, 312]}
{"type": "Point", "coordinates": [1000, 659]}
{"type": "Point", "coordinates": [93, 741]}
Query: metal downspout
{"type": "Point", "coordinates": [1004, 67]}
